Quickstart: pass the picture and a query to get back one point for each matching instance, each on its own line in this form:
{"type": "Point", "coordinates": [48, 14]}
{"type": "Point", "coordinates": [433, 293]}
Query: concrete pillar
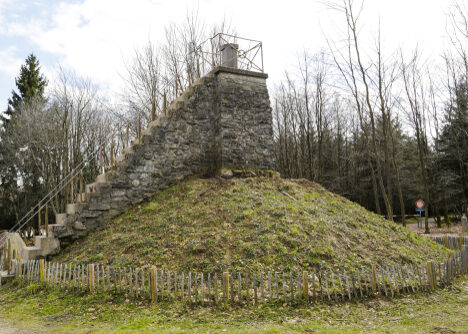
{"type": "Point", "coordinates": [464, 222]}
{"type": "Point", "coordinates": [229, 55]}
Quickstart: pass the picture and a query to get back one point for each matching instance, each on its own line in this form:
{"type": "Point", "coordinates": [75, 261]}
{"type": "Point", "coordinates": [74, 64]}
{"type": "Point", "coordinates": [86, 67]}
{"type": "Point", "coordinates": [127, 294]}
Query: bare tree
{"type": "Point", "coordinates": [415, 94]}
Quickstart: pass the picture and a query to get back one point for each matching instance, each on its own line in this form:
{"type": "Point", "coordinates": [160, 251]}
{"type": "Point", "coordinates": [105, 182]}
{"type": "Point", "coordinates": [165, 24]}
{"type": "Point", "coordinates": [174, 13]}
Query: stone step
{"type": "Point", "coordinates": [120, 158]}
{"type": "Point", "coordinates": [54, 227]}
{"type": "Point", "coordinates": [46, 244]}
{"type": "Point", "coordinates": [126, 150]}
{"type": "Point", "coordinates": [60, 219]}
{"type": "Point", "coordinates": [31, 253]}
{"type": "Point", "coordinates": [91, 188]}
{"type": "Point", "coordinates": [135, 142]}
{"type": "Point", "coordinates": [74, 208]}
{"type": "Point", "coordinates": [82, 198]}
{"type": "Point", "coordinates": [94, 188]}
{"type": "Point", "coordinates": [5, 277]}
{"type": "Point", "coordinates": [102, 178]}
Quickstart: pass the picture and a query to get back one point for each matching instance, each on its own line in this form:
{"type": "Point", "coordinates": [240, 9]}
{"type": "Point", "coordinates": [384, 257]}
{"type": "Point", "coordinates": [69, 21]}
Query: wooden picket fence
{"type": "Point", "coordinates": [156, 284]}
{"type": "Point", "coordinates": [452, 242]}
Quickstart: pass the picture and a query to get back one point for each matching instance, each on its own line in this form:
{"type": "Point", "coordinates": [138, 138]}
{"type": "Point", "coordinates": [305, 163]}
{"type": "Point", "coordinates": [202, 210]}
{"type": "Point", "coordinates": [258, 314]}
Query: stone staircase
{"type": "Point", "coordinates": [50, 245]}
{"type": "Point", "coordinates": [198, 136]}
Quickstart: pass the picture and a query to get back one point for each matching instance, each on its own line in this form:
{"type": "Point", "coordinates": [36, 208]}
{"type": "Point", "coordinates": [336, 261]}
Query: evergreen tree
{"type": "Point", "coordinates": [16, 167]}
{"type": "Point", "coordinates": [30, 83]}
{"type": "Point", "coordinates": [453, 145]}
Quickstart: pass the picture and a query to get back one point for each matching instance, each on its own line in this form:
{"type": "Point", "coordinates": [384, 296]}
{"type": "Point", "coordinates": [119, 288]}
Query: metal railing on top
{"type": "Point", "coordinates": [208, 55]}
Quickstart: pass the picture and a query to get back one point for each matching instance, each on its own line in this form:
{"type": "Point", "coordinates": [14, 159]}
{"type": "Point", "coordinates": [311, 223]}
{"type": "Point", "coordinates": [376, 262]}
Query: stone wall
{"type": "Point", "coordinates": [224, 119]}
{"type": "Point", "coordinates": [245, 121]}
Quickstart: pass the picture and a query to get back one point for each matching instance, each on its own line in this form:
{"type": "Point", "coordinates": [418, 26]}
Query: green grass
{"type": "Point", "coordinates": [250, 224]}
{"type": "Point", "coordinates": [37, 308]}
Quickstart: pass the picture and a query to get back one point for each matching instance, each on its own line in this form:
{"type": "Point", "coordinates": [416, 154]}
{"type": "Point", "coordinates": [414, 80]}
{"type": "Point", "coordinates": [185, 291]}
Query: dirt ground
{"type": "Point", "coordinates": [455, 229]}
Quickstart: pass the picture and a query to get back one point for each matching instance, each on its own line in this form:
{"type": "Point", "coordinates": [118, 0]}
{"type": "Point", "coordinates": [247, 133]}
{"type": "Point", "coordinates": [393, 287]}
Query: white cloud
{"type": "Point", "coordinates": [93, 36]}
{"type": "Point", "coordinates": [9, 63]}
{"type": "Point", "coordinates": [3, 4]}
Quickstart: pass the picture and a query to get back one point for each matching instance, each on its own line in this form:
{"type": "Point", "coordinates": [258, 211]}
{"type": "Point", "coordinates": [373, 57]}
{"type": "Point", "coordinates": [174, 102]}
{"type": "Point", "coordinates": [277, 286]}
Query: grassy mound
{"type": "Point", "coordinates": [256, 223]}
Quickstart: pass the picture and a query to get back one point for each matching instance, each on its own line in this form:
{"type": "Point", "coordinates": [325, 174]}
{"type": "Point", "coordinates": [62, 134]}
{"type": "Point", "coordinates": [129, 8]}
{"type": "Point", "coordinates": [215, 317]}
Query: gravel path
{"type": "Point", "coordinates": [454, 230]}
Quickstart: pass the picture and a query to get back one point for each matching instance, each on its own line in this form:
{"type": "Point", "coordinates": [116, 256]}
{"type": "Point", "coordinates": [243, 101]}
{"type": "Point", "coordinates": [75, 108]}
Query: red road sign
{"type": "Point", "coordinates": [420, 204]}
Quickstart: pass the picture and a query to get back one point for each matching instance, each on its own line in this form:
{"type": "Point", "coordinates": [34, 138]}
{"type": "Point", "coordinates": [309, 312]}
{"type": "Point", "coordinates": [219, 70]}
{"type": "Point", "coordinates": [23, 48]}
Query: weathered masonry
{"type": "Point", "coordinates": [222, 120]}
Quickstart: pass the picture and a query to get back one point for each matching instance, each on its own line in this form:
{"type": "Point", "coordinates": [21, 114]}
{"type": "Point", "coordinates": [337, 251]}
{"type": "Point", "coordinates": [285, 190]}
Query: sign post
{"type": "Point", "coordinates": [419, 208]}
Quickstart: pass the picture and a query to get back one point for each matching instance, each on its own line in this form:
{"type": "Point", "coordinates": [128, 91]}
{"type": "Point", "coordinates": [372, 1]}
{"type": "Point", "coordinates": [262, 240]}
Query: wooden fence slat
{"type": "Point", "coordinates": [347, 284]}
{"type": "Point", "coordinates": [326, 285]}
{"type": "Point", "coordinates": [305, 286]}
{"type": "Point", "coordinates": [57, 275]}
{"type": "Point", "coordinates": [169, 288]}
{"type": "Point", "coordinates": [340, 281]}
{"type": "Point", "coordinates": [182, 285]}
{"type": "Point", "coordinates": [262, 289]}
{"type": "Point", "coordinates": [239, 287]}
{"type": "Point", "coordinates": [314, 292]}
{"type": "Point", "coordinates": [373, 279]}
{"type": "Point", "coordinates": [353, 282]}
{"type": "Point", "coordinates": [270, 296]}
{"type": "Point", "coordinates": [384, 283]}
{"type": "Point", "coordinates": [153, 284]}
{"type": "Point", "coordinates": [209, 287]}
{"type": "Point", "coordinates": [202, 288]}
{"type": "Point", "coordinates": [291, 286]}
{"type": "Point", "coordinates": [98, 269]}
{"type": "Point", "coordinates": [364, 278]}
{"type": "Point", "coordinates": [420, 274]}
{"type": "Point", "coordinates": [63, 274]}
{"type": "Point", "coordinates": [277, 286]}
{"type": "Point", "coordinates": [298, 287]}
{"type": "Point", "coordinates": [358, 283]}
{"type": "Point", "coordinates": [215, 288]}
{"type": "Point", "coordinates": [430, 272]}
{"type": "Point", "coordinates": [231, 289]}
{"type": "Point", "coordinates": [334, 286]}
{"type": "Point", "coordinates": [395, 280]}
{"type": "Point", "coordinates": [70, 275]}
{"type": "Point", "coordinates": [195, 285]}
{"type": "Point", "coordinates": [247, 288]}
{"type": "Point", "coordinates": [409, 278]}
{"type": "Point", "coordinates": [189, 287]}
{"type": "Point", "coordinates": [390, 281]}
{"type": "Point", "coordinates": [284, 286]}
{"type": "Point", "coordinates": [254, 286]}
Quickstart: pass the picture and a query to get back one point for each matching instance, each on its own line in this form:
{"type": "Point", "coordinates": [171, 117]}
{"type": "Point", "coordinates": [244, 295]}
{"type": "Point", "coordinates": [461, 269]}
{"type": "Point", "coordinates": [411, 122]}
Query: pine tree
{"type": "Point", "coordinates": [30, 83]}
{"type": "Point", "coordinates": [453, 157]}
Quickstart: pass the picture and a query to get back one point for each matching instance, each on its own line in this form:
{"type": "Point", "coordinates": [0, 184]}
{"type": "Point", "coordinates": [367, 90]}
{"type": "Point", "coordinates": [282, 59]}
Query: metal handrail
{"type": "Point", "coordinates": [49, 197]}
{"type": "Point", "coordinates": [53, 193]}
{"type": "Point", "coordinates": [208, 53]}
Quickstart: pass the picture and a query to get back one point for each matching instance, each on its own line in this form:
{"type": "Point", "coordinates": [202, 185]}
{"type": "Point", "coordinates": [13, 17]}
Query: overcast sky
{"type": "Point", "coordinates": [93, 37]}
